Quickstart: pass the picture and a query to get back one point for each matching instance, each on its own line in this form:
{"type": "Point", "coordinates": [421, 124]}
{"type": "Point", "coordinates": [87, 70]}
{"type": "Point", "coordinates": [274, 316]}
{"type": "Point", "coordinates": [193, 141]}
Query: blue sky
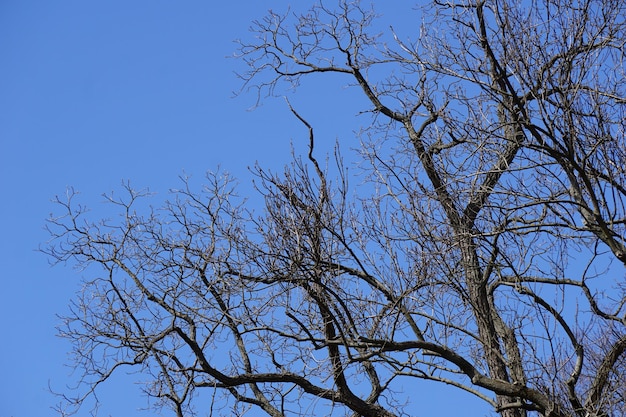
{"type": "Point", "coordinates": [93, 93]}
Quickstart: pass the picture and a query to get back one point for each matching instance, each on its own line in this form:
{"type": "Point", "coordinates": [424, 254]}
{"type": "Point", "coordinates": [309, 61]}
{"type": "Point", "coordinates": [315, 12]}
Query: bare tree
{"type": "Point", "coordinates": [483, 248]}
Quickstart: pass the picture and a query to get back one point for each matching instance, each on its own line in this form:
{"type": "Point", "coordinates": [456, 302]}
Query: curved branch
{"type": "Point", "coordinates": [594, 401]}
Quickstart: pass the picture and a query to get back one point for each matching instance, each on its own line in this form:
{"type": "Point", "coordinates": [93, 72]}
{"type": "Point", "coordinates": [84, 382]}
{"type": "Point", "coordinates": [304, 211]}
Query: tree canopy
{"type": "Point", "coordinates": [475, 237]}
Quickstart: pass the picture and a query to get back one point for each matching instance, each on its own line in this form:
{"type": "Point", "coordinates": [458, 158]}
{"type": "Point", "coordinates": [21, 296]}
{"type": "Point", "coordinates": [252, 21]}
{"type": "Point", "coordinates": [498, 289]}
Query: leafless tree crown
{"type": "Point", "coordinates": [483, 245]}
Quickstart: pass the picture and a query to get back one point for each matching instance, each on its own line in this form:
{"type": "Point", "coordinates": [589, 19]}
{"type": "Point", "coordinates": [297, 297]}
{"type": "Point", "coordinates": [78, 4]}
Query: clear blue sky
{"type": "Point", "coordinates": [96, 92]}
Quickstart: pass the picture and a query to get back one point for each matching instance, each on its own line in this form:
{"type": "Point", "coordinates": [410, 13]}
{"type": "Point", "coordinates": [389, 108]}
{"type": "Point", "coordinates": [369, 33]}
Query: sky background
{"type": "Point", "coordinates": [93, 93]}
